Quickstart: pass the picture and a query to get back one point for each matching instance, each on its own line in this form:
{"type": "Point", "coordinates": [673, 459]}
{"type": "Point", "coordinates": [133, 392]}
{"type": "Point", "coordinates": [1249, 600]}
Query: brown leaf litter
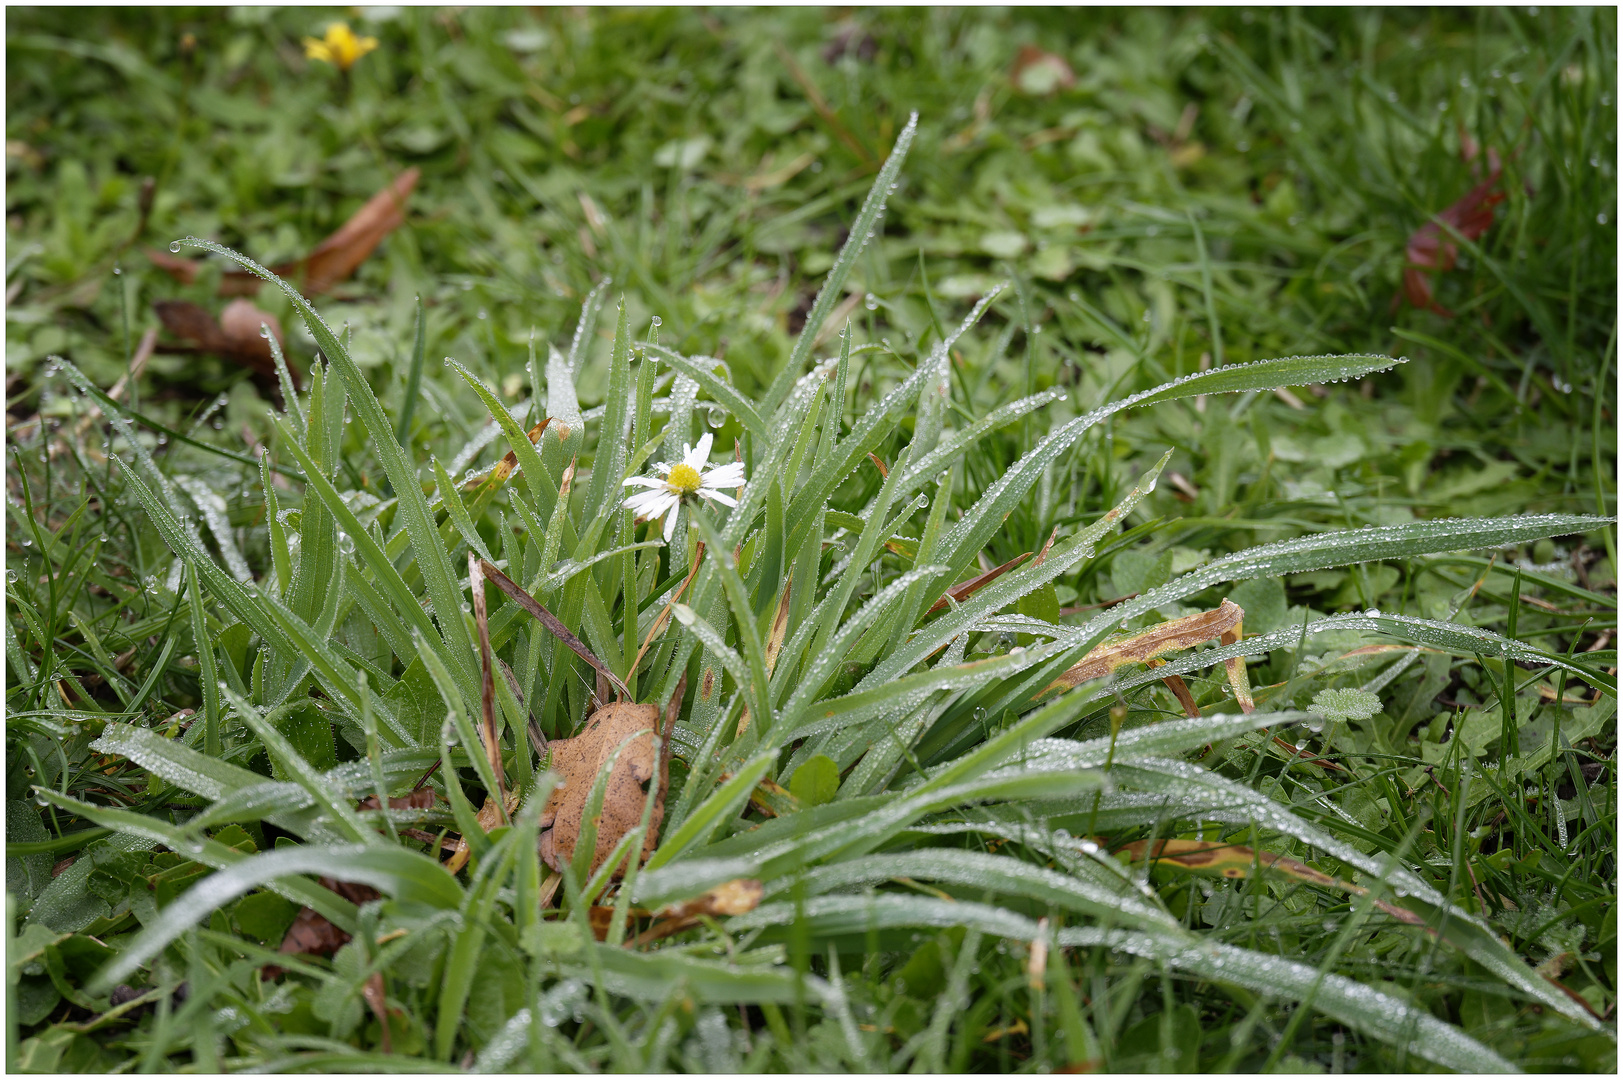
{"type": "Point", "coordinates": [332, 260]}
{"type": "Point", "coordinates": [234, 336]}
{"type": "Point", "coordinates": [637, 774]}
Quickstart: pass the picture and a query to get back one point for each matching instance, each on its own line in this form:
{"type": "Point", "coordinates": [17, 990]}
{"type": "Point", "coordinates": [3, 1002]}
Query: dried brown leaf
{"type": "Point", "coordinates": [965, 589]}
{"type": "Point", "coordinates": [312, 934]}
{"type": "Point", "coordinates": [333, 260]}
{"type": "Point", "coordinates": [638, 774]}
{"type": "Point", "coordinates": [1141, 648]}
{"type": "Point", "coordinates": [337, 257]}
{"type": "Point", "coordinates": [731, 898]}
{"type": "Point", "coordinates": [234, 337]}
{"type": "Point", "coordinates": [489, 818]}
{"type": "Point", "coordinates": [1429, 251]}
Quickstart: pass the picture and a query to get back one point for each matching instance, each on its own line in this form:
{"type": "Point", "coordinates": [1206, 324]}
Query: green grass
{"type": "Point", "coordinates": [1424, 550]}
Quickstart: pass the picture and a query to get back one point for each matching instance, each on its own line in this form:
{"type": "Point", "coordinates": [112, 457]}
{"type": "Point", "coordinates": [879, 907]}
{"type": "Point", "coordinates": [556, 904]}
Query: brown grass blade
{"type": "Point", "coordinates": [509, 462]}
{"type": "Point", "coordinates": [1141, 648]}
{"type": "Point", "coordinates": [487, 680]}
{"type": "Point", "coordinates": [965, 589]}
{"type": "Point", "coordinates": [550, 621]}
{"type": "Point", "coordinates": [1236, 861]}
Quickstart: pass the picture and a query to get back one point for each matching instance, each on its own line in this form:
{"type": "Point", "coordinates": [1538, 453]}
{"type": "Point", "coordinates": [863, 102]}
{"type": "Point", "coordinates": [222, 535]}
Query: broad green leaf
{"type": "Point", "coordinates": [816, 782]}
{"type": "Point", "coordinates": [283, 753]}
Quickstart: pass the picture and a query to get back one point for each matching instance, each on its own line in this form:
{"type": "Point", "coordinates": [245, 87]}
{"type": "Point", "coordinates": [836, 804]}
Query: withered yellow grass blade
{"type": "Point", "coordinates": [504, 468]}
{"type": "Point", "coordinates": [1236, 861]}
{"type": "Point", "coordinates": [1183, 633]}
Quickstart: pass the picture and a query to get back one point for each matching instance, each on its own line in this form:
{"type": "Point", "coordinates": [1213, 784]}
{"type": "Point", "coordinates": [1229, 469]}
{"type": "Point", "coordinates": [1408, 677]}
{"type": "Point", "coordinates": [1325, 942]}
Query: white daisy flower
{"type": "Point", "coordinates": [692, 476]}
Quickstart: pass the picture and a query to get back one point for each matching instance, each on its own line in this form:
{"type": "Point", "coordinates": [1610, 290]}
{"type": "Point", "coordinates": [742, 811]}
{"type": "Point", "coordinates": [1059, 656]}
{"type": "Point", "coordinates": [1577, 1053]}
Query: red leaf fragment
{"type": "Point", "coordinates": [313, 934]}
{"type": "Point", "coordinates": [1429, 251]}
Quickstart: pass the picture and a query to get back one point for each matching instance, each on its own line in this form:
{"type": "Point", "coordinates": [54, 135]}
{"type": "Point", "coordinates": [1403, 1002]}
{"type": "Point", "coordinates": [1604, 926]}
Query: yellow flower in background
{"type": "Point", "coordinates": [340, 47]}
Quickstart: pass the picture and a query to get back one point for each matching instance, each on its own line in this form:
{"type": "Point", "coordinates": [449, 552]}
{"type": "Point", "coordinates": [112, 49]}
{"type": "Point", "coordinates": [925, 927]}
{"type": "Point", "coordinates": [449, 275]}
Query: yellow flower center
{"type": "Point", "coordinates": [684, 479]}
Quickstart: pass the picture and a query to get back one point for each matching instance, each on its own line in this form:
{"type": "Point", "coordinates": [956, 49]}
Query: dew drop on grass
{"type": "Point", "coordinates": [871, 302]}
{"type": "Point", "coordinates": [174, 247]}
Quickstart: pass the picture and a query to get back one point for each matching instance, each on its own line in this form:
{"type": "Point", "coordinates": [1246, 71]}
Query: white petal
{"type": "Point", "coordinates": [670, 525]}
{"type": "Point", "coordinates": [725, 500]}
{"type": "Point", "coordinates": [700, 454]}
{"type": "Point", "coordinates": [642, 481]}
{"type": "Point", "coordinates": [650, 504]}
{"type": "Point", "coordinates": [730, 475]}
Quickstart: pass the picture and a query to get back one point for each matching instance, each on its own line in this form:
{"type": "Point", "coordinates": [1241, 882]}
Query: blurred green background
{"type": "Point", "coordinates": [1164, 185]}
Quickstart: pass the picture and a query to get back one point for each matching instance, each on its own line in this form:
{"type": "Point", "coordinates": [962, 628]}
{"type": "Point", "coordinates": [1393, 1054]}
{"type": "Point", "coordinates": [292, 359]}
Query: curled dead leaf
{"type": "Point", "coordinates": [638, 774]}
{"type": "Point", "coordinates": [332, 260]}
{"type": "Point", "coordinates": [234, 337]}
{"type": "Point", "coordinates": [338, 256]}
